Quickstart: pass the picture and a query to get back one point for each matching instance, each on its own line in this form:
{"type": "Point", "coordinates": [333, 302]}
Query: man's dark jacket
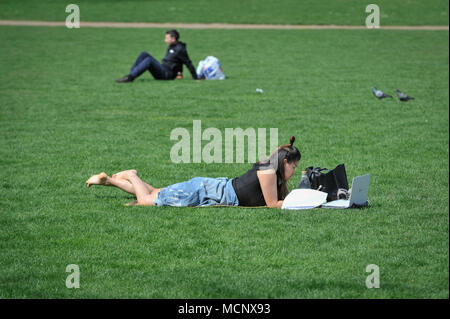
{"type": "Point", "coordinates": [176, 56]}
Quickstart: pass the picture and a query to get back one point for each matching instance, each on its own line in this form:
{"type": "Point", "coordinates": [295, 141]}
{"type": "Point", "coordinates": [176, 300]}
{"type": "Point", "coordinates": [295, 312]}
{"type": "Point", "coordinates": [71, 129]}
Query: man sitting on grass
{"type": "Point", "coordinates": [171, 65]}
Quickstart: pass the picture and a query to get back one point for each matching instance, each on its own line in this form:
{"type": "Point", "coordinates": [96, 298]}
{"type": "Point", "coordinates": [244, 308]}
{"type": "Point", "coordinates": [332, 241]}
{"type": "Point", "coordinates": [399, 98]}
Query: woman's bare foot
{"type": "Point", "coordinates": [131, 203]}
{"type": "Point", "coordinates": [99, 179]}
{"type": "Point", "coordinates": [124, 174]}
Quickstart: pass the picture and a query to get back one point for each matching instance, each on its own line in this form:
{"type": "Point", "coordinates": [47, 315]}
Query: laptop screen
{"type": "Point", "coordinates": [360, 190]}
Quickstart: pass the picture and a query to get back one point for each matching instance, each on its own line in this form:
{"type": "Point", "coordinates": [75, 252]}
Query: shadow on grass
{"type": "Point", "coordinates": [123, 197]}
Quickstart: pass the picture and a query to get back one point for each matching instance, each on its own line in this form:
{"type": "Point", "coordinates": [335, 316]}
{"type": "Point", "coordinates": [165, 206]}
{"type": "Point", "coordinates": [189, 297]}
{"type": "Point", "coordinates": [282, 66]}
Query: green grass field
{"type": "Point", "coordinates": [63, 118]}
{"type": "Point", "coordinates": [347, 12]}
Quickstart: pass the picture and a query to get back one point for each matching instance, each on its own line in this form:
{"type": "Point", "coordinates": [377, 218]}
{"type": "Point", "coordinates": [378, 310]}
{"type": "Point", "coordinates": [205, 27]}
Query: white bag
{"type": "Point", "coordinates": [210, 69]}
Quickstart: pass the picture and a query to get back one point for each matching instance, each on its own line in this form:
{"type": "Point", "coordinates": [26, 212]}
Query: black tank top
{"type": "Point", "coordinates": [248, 189]}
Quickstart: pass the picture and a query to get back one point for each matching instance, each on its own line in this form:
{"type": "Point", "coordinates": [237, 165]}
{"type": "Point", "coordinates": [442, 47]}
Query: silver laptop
{"type": "Point", "coordinates": [358, 196]}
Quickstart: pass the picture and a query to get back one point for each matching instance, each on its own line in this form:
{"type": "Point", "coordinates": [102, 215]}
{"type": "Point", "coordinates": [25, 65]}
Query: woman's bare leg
{"type": "Point", "coordinates": [98, 179]}
{"type": "Point", "coordinates": [119, 176]}
{"type": "Point", "coordinates": [116, 181]}
{"type": "Point", "coordinates": [143, 195]}
{"type": "Point", "coordinates": [132, 203]}
{"type": "Point", "coordinates": [105, 180]}
{"type": "Point", "coordinates": [121, 184]}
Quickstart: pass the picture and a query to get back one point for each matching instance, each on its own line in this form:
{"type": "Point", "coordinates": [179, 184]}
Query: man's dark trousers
{"type": "Point", "coordinates": [146, 62]}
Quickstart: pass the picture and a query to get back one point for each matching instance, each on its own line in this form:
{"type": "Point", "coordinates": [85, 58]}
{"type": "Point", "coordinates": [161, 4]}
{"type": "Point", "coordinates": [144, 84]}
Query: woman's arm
{"type": "Point", "coordinates": [268, 182]}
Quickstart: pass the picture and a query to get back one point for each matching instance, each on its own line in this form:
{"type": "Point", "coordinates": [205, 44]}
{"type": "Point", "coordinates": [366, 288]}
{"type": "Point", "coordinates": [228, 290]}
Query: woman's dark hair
{"type": "Point", "coordinates": [173, 34]}
{"type": "Point", "coordinates": [276, 161]}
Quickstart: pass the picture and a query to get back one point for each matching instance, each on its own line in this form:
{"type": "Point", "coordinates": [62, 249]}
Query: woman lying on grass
{"type": "Point", "coordinates": [263, 185]}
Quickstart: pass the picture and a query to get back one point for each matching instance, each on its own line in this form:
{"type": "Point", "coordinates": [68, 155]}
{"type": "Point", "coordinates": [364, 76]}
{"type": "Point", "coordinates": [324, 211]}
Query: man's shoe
{"type": "Point", "coordinates": [126, 78]}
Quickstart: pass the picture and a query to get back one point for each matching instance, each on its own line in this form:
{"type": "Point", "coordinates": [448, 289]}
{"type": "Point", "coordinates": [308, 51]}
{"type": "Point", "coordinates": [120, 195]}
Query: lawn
{"type": "Point", "coordinates": [63, 118]}
{"type": "Point", "coordinates": [347, 12]}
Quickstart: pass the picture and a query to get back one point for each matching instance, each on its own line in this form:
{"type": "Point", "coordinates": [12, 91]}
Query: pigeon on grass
{"type": "Point", "coordinates": [380, 94]}
{"type": "Point", "coordinates": [402, 96]}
